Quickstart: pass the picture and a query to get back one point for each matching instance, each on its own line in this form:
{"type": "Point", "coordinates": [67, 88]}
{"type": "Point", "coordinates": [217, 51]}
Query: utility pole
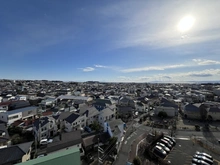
{"type": "Point", "coordinates": [100, 150]}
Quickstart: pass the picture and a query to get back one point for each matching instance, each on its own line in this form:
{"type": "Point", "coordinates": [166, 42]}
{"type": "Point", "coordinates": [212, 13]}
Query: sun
{"type": "Point", "coordinates": [186, 23]}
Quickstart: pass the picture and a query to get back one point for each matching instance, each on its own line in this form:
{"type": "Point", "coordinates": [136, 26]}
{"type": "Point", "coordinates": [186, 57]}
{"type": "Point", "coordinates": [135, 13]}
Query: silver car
{"type": "Point", "coordinates": [200, 157]}
{"type": "Point", "coordinates": [163, 146]}
{"type": "Point", "coordinates": [200, 162]}
{"type": "Point", "coordinates": [204, 154]}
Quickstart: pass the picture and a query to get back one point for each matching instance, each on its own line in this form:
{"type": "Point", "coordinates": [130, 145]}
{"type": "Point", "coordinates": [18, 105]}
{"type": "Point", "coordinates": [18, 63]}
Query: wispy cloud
{"type": "Point", "coordinates": [129, 70]}
{"type": "Point", "coordinates": [204, 73]}
{"type": "Point", "coordinates": [87, 69]}
{"type": "Point", "coordinates": [100, 66]}
{"type": "Point", "coordinates": [213, 74]}
{"type": "Point", "coordinates": [206, 62]}
{"type": "Point", "coordinates": [140, 24]}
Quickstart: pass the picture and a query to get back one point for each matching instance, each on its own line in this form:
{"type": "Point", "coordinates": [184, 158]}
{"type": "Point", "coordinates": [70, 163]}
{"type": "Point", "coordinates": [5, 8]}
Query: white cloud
{"type": "Point", "coordinates": [129, 70]}
{"type": "Point", "coordinates": [206, 62]}
{"type": "Point", "coordinates": [100, 66]}
{"type": "Point", "coordinates": [87, 69]}
{"type": "Point", "coordinates": [207, 74]}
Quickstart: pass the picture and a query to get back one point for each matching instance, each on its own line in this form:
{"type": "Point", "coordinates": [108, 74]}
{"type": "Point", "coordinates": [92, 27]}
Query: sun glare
{"type": "Point", "coordinates": [186, 23]}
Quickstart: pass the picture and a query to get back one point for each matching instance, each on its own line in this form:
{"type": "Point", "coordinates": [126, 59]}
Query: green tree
{"type": "Point", "coordinates": [136, 161]}
{"type": "Point", "coordinates": [95, 126]}
{"type": "Point", "coordinates": [16, 139]}
{"type": "Point", "coordinates": [14, 130]}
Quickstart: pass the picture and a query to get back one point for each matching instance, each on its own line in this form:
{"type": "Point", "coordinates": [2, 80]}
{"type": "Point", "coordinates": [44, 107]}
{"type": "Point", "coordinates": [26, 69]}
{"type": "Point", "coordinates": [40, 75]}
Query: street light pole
{"type": "Point", "coordinates": [98, 151]}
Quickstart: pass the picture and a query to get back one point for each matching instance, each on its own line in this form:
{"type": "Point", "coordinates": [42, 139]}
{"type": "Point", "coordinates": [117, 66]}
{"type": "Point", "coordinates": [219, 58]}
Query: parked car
{"type": "Point", "coordinates": [171, 138]}
{"type": "Point", "coordinates": [163, 146]}
{"type": "Point", "coordinates": [46, 141]}
{"type": "Point", "coordinates": [87, 129]}
{"type": "Point", "coordinates": [42, 155]}
{"type": "Point", "coordinates": [199, 162]}
{"type": "Point", "coordinates": [200, 157]}
{"type": "Point", "coordinates": [159, 152]}
{"type": "Point", "coordinates": [166, 143]}
{"type": "Point", "coordinates": [204, 154]}
{"type": "Point", "coordinates": [43, 142]}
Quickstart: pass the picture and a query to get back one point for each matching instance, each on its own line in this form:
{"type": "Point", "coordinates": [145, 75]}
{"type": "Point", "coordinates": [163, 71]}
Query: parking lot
{"type": "Point", "coordinates": [183, 152]}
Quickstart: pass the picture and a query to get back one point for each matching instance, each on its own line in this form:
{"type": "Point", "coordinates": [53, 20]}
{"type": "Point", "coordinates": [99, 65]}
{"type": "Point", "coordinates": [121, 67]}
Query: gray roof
{"type": "Point", "coordinates": [125, 109]}
{"type": "Point", "coordinates": [67, 140]}
{"type": "Point", "coordinates": [21, 110]}
{"type": "Point", "coordinates": [92, 111]}
{"type": "Point", "coordinates": [191, 107]}
{"type": "Point", "coordinates": [11, 155]}
{"type": "Point", "coordinates": [106, 112]}
{"type": "Point", "coordinates": [25, 146]}
{"type": "Point", "coordinates": [62, 116]}
{"type": "Point", "coordinates": [167, 103]}
{"type": "Point", "coordinates": [115, 122]}
{"type": "Point", "coordinates": [93, 139]}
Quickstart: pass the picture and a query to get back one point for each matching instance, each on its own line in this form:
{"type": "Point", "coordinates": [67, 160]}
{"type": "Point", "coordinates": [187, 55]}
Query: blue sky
{"type": "Point", "coordinates": [126, 41]}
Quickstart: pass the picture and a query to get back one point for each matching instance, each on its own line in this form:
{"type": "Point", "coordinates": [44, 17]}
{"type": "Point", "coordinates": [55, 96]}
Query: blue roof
{"type": "Point", "coordinates": [21, 110]}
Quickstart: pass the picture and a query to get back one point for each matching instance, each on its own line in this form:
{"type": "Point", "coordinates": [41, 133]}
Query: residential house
{"type": "Point", "coordinates": [125, 101]}
{"type": "Point", "coordinates": [213, 110]}
{"type": "Point", "coordinates": [106, 115]}
{"type": "Point", "coordinates": [66, 141]}
{"type": "Point", "coordinates": [214, 113]}
{"type": "Point", "coordinates": [166, 106]}
{"type": "Point", "coordinates": [125, 112]}
{"type": "Point", "coordinates": [92, 114]}
{"type": "Point", "coordinates": [45, 127]}
{"type": "Point", "coordinates": [75, 122]}
{"type": "Point", "coordinates": [140, 107]}
{"type": "Point", "coordinates": [18, 104]}
{"type": "Point", "coordinates": [114, 99]}
{"type": "Point", "coordinates": [192, 111]}
{"type": "Point", "coordinates": [10, 116]}
{"type": "Point", "coordinates": [48, 102]}
{"type": "Point", "coordinates": [90, 143]}
{"type": "Point", "coordinates": [15, 154]}
{"type": "Point", "coordinates": [115, 128]}
{"type": "Point", "coordinates": [101, 104]}
{"type": "Point", "coordinates": [4, 105]}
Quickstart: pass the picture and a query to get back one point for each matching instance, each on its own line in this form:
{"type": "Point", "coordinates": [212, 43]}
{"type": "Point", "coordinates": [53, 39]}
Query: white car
{"type": "Point", "coordinates": [163, 146]}
{"type": "Point", "coordinates": [46, 141]}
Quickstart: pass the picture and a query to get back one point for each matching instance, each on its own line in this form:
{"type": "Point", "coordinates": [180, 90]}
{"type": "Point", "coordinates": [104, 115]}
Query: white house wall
{"type": "Point", "coordinates": [14, 117]}
{"type": "Point", "coordinates": [3, 117]}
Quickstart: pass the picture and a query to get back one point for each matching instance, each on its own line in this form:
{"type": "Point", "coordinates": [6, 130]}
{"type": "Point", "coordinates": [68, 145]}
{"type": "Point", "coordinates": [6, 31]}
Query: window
{"type": "Point", "coordinates": [29, 112]}
{"type": "Point", "coordinates": [83, 120]}
{"type": "Point", "coordinates": [13, 117]}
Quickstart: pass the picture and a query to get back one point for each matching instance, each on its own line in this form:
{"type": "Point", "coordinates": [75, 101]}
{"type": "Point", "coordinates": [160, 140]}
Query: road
{"type": "Point", "coordinates": [136, 130]}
